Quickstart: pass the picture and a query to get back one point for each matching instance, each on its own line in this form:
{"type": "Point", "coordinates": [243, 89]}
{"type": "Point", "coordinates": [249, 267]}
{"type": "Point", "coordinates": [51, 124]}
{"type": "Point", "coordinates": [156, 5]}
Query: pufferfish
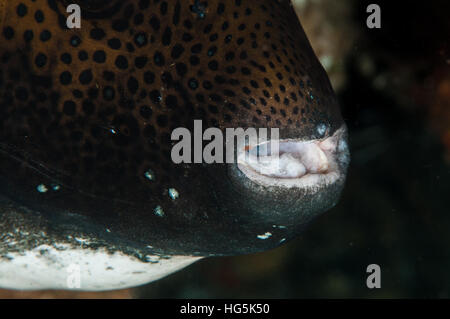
{"type": "Point", "coordinates": [88, 186]}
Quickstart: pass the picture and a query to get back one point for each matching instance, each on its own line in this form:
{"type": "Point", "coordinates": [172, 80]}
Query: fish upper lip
{"type": "Point", "coordinates": [302, 164]}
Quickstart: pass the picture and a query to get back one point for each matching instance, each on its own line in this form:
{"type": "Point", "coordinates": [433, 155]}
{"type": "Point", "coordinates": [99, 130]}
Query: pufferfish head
{"type": "Point", "coordinates": [87, 116]}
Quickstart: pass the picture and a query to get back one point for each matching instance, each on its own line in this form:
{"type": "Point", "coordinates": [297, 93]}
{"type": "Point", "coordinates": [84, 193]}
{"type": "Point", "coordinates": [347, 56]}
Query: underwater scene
{"type": "Point", "coordinates": [116, 183]}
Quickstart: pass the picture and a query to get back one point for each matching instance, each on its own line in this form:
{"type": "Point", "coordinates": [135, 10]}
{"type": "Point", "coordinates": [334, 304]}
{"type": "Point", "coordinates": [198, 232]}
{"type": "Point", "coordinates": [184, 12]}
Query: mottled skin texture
{"type": "Point", "coordinates": [92, 109]}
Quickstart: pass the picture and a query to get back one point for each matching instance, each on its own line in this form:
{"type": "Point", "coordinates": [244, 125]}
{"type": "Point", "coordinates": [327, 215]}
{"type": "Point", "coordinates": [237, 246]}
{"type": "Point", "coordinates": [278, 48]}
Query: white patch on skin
{"type": "Point", "coordinates": [82, 241]}
{"type": "Point", "coordinates": [46, 267]}
{"type": "Point", "coordinates": [158, 211]}
{"type": "Point", "coordinates": [265, 236]}
{"type": "Point", "coordinates": [173, 193]}
{"type": "Point", "coordinates": [309, 164]}
{"type": "Point", "coordinates": [42, 188]}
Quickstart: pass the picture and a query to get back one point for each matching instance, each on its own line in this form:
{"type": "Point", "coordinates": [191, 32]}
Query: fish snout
{"type": "Point", "coordinates": [276, 192]}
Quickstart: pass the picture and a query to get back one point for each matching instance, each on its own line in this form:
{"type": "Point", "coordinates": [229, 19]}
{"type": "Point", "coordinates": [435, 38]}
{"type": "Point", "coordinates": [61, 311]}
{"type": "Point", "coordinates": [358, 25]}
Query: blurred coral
{"type": "Point", "coordinates": [332, 33]}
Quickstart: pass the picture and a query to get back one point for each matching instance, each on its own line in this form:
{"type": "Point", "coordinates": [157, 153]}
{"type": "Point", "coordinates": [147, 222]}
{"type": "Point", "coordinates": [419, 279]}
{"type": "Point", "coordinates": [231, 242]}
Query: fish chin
{"type": "Point", "coordinates": [309, 165]}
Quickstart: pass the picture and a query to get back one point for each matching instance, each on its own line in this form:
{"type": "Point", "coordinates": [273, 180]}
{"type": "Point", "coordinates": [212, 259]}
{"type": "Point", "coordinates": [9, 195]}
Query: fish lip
{"type": "Point", "coordinates": [333, 171]}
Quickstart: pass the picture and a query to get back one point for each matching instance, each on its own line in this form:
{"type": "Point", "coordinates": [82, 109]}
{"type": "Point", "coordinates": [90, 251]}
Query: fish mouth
{"type": "Point", "coordinates": [309, 165]}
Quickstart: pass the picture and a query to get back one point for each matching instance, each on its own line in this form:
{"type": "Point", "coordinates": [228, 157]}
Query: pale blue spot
{"type": "Point", "coordinates": [159, 211]}
{"type": "Point", "coordinates": [265, 236]}
{"type": "Point", "coordinates": [42, 188]}
{"type": "Point", "coordinates": [173, 193]}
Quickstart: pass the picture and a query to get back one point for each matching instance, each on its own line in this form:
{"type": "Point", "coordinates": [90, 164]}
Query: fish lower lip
{"type": "Point", "coordinates": [309, 164]}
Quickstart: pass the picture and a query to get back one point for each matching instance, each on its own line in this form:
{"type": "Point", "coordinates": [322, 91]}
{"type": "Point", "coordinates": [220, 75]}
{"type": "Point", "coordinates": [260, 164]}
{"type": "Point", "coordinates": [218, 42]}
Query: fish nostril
{"type": "Point", "coordinates": [322, 129]}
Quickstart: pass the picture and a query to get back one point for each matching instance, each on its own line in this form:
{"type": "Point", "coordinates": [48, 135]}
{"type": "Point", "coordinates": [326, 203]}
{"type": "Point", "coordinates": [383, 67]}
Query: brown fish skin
{"type": "Point", "coordinates": [91, 110]}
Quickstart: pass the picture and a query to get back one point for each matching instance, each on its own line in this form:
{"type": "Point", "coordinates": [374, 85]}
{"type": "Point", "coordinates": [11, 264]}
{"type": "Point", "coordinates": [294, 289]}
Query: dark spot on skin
{"type": "Point", "coordinates": [213, 65]}
{"type": "Point", "coordinates": [188, 24]}
{"type": "Point", "coordinates": [40, 60]}
{"type": "Point", "coordinates": [77, 94]}
{"type": "Point", "coordinates": [197, 48]}
{"type": "Point", "coordinates": [28, 35]}
{"type": "Point", "coordinates": [39, 16]}
{"type": "Point", "coordinates": [66, 58]}
{"type": "Point", "coordinates": [177, 51]}
{"type": "Point", "coordinates": [149, 77]}
{"type": "Point", "coordinates": [194, 60]}
{"type": "Point", "coordinates": [145, 112]}
{"type": "Point", "coordinates": [163, 8]}
{"type": "Point", "coordinates": [93, 93]}
{"type": "Point", "coordinates": [141, 62]}
{"type": "Point", "coordinates": [220, 8]}
{"type": "Point", "coordinates": [155, 96]}
{"type": "Point", "coordinates": [120, 25]}
{"type": "Point", "coordinates": [213, 37]}
{"type": "Point", "coordinates": [85, 77]}
{"type": "Point", "coordinates": [155, 23]}
{"type": "Point", "coordinates": [133, 85]}
{"type": "Point", "coordinates": [138, 19]}
{"type": "Point", "coordinates": [99, 56]}
{"type": "Point", "coordinates": [22, 10]}
{"type": "Point", "coordinates": [97, 34]}
{"type": "Point", "coordinates": [69, 108]}
{"type": "Point", "coordinates": [83, 55]}
{"type": "Point", "coordinates": [167, 36]}
{"type": "Point", "coordinates": [65, 78]}
{"type": "Point", "coordinates": [187, 37]}
{"type": "Point", "coordinates": [130, 47]}
{"type": "Point", "coordinates": [8, 33]}
{"type": "Point", "coordinates": [109, 76]}
{"type": "Point", "coordinates": [114, 43]}
{"type": "Point", "coordinates": [176, 14]}
{"type": "Point", "coordinates": [121, 62]}
{"type": "Point", "coordinates": [181, 69]}
{"type": "Point", "coordinates": [212, 51]}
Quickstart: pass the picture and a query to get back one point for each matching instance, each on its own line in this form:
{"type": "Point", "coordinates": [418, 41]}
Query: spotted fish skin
{"type": "Point", "coordinates": [88, 113]}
